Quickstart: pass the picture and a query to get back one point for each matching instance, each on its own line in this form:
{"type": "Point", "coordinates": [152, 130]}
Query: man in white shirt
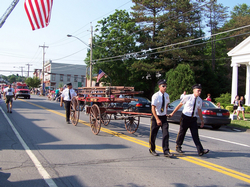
{"type": "Point", "coordinates": [159, 104]}
{"type": "Point", "coordinates": [182, 95]}
{"type": "Point", "coordinates": [66, 96]}
{"type": "Point", "coordinates": [8, 94]}
{"type": "Point", "coordinates": [192, 105]}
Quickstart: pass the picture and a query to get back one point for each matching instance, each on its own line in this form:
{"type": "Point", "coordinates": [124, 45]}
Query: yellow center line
{"type": "Point", "coordinates": [200, 162]}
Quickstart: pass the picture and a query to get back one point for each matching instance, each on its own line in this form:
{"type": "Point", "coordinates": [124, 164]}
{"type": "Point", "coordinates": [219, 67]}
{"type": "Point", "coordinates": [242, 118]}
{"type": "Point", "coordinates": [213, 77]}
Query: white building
{"type": "Point", "coordinates": [56, 74]}
{"type": "Point", "coordinates": [240, 56]}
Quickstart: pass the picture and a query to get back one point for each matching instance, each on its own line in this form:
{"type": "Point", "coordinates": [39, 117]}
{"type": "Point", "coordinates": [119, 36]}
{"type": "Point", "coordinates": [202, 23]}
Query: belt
{"type": "Point", "coordinates": [189, 116]}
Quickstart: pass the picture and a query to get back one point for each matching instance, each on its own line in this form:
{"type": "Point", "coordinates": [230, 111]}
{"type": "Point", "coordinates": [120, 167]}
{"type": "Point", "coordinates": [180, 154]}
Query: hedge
{"type": "Point", "coordinates": [230, 108]}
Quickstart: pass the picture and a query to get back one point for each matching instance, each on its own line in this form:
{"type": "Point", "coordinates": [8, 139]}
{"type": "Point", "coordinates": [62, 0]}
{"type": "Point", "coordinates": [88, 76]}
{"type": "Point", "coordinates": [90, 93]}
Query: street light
{"type": "Point", "coordinates": [90, 63]}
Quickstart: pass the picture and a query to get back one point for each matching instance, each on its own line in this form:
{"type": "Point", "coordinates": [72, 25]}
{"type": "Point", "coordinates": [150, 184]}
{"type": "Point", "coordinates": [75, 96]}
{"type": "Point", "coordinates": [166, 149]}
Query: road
{"type": "Point", "coordinates": [38, 148]}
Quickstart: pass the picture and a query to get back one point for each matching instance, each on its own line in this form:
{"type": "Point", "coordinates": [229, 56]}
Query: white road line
{"type": "Point", "coordinates": [36, 162]}
{"type": "Point", "coordinates": [218, 139]}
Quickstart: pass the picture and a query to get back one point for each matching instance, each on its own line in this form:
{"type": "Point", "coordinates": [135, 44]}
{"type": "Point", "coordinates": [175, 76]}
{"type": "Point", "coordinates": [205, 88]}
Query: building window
{"type": "Point", "coordinates": [53, 77]}
{"type": "Point", "coordinates": [61, 77]}
{"type": "Point", "coordinates": [75, 78]}
{"type": "Point", "coordinates": [68, 78]}
{"type": "Point", "coordinates": [82, 78]}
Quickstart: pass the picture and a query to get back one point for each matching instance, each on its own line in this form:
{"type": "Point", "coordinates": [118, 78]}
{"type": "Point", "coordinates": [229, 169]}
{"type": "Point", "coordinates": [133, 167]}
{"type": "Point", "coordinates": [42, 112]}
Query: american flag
{"type": "Point", "coordinates": [100, 75]}
{"type": "Point", "coordinates": [38, 12]}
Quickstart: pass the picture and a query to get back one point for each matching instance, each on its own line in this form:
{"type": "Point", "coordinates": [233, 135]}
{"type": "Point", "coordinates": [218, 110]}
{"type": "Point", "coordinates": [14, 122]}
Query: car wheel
{"type": "Point", "coordinates": [216, 126]}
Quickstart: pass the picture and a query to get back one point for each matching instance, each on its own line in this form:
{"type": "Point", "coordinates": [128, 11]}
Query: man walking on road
{"type": "Point", "coordinates": [66, 96]}
{"type": "Point", "coordinates": [8, 94]}
{"type": "Point", "coordinates": [159, 104]}
{"type": "Point", "coordinates": [192, 104]}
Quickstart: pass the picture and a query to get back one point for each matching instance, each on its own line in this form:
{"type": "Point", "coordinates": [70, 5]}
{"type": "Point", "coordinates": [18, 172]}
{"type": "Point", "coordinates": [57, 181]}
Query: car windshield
{"type": "Point", "coordinates": [208, 104]}
{"type": "Point", "coordinates": [174, 104]}
{"type": "Point", "coordinates": [22, 87]}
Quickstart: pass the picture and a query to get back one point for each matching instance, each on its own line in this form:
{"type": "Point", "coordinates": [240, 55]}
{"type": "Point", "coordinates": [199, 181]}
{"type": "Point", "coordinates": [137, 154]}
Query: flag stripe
{"type": "Point", "coordinates": [100, 75]}
{"type": "Point", "coordinates": [38, 12]}
{"type": "Point", "coordinates": [31, 23]}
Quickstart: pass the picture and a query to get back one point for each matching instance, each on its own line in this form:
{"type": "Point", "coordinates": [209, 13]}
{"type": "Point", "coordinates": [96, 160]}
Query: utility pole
{"type": "Point", "coordinates": [22, 69]}
{"type": "Point", "coordinates": [91, 49]}
{"type": "Point", "coordinates": [43, 46]}
{"type": "Point", "coordinates": [28, 68]}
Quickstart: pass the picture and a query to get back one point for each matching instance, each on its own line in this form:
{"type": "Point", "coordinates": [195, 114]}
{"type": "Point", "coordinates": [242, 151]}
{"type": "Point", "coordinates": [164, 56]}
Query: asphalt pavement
{"type": "Point", "coordinates": [38, 148]}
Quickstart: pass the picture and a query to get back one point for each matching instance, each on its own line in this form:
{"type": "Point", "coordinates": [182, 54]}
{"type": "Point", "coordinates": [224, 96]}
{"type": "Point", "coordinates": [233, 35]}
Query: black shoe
{"type": "Point", "coordinates": [68, 122]}
{"type": "Point", "coordinates": [205, 151]}
{"type": "Point", "coordinates": [10, 111]}
{"type": "Point", "coordinates": [168, 154]}
{"type": "Point", "coordinates": [179, 150]}
{"type": "Point", "coordinates": [153, 153]}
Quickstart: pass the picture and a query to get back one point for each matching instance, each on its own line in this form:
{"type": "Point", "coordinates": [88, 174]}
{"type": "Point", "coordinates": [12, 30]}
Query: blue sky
{"type": "Point", "coordinates": [19, 45]}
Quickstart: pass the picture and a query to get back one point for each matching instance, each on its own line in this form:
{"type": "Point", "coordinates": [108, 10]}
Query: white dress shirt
{"type": "Point", "coordinates": [157, 102]}
{"type": "Point", "coordinates": [65, 94]}
{"type": "Point", "coordinates": [188, 102]}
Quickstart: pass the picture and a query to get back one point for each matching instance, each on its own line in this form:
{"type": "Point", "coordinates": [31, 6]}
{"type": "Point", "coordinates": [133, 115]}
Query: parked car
{"type": "Point", "coordinates": [212, 115]}
{"type": "Point", "coordinates": [143, 105]}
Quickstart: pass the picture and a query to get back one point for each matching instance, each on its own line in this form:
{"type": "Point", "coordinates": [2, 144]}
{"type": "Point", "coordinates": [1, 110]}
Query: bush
{"type": "Point", "coordinates": [224, 100]}
{"type": "Point", "coordinates": [247, 109]}
{"type": "Point", "coordinates": [230, 108]}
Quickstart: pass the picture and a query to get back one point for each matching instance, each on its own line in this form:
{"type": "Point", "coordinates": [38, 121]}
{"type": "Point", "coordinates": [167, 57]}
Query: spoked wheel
{"type": "Point", "coordinates": [95, 119]}
{"type": "Point", "coordinates": [132, 124]}
{"type": "Point", "coordinates": [74, 111]}
{"type": "Point", "coordinates": [106, 118]}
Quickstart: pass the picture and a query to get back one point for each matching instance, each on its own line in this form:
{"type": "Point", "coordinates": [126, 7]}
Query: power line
{"type": "Point", "coordinates": [172, 45]}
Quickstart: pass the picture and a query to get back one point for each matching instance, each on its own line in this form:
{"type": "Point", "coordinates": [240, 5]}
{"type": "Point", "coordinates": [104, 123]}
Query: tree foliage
{"type": "Point", "coordinates": [158, 39]}
{"type": "Point", "coordinates": [33, 82]}
{"type": "Point", "coordinates": [115, 38]}
{"type": "Point", "coordinates": [178, 80]}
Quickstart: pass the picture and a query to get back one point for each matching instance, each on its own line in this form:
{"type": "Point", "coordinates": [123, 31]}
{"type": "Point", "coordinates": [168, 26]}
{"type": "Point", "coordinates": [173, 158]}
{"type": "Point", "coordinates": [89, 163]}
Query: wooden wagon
{"type": "Point", "coordinates": [105, 102]}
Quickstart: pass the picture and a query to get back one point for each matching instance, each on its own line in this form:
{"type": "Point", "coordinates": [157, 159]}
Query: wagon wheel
{"type": "Point", "coordinates": [106, 118]}
{"type": "Point", "coordinates": [95, 119]}
{"type": "Point", "coordinates": [132, 124]}
{"type": "Point", "coordinates": [74, 110]}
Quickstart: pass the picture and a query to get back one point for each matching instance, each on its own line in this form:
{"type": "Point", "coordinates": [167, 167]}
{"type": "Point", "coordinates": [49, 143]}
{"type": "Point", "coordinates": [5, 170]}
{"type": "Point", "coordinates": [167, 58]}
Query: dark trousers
{"type": "Point", "coordinates": [191, 123]}
{"type": "Point", "coordinates": [67, 108]}
{"type": "Point", "coordinates": [154, 128]}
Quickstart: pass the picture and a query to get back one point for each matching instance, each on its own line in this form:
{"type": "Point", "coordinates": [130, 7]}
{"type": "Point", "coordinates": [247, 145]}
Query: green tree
{"type": "Point", "coordinates": [115, 38]}
{"type": "Point", "coordinates": [179, 79]}
{"type": "Point", "coordinates": [164, 23]}
{"type": "Point", "coordinates": [33, 82]}
{"type": "Point", "coordinates": [12, 79]}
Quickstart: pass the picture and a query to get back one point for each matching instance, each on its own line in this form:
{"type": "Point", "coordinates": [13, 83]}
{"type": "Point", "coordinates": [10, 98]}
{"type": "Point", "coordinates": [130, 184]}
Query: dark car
{"type": "Point", "coordinates": [143, 105]}
{"type": "Point", "coordinates": [212, 115]}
